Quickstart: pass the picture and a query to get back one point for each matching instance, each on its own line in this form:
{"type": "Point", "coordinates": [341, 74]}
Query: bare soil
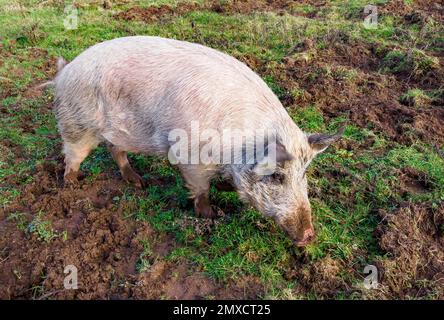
{"type": "Point", "coordinates": [154, 13]}
{"type": "Point", "coordinates": [103, 245]}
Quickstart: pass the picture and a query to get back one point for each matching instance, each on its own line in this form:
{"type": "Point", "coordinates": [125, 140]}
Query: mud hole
{"type": "Point", "coordinates": [91, 233]}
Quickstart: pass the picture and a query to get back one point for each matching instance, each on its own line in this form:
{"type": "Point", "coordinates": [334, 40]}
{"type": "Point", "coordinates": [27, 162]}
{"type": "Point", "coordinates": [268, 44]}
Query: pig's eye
{"type": "Point", "coordinates": [275, 178]}
{"type": "Point", "coordinates": [278, 177]}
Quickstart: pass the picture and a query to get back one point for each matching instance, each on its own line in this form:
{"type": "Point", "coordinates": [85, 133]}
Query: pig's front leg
{"type": "Point", "coordinates": [126, 170]}
{"type": "Point", "coordinates": [197, 180]}
{"type": "Point", "coordinates": [202, 206]}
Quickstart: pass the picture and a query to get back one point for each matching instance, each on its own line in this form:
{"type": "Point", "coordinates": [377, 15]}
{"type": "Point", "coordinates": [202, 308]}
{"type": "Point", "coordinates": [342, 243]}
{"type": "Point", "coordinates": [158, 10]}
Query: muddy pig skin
{"type": "Point", "coordinates": [132, 92]}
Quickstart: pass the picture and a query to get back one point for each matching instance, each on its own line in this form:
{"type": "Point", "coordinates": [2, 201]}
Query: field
{"type": "Point", "coordinates": [377, 195]}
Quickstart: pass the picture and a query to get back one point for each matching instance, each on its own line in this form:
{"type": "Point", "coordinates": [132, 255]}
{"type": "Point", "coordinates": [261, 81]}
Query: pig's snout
{"type": "Point", "coordinates": [307, 237]}
{"type": "Point", "coordinates": [298, 226]}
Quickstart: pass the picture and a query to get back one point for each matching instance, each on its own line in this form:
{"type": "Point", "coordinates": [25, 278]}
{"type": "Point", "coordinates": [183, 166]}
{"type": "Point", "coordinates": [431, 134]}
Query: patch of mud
{"type": "Point", "coordinates": [90, 234]}
{"type": "Point", "coordinates": [248, 6]}
{"type": "Point", "coordinates": [413, 237]}
{"type": "Point", "coordinates": [88, 229]}
{"type": "Point", "coordinates": [251, 61]}
{"type": "Point", "coordinates": [324, 276]}
{"type": "Point", "coordinates": [413, 182]}
{"type": "Point", "coordinates": [398, 7]}
{"type": "Point", "coordinates": [431, 8]}
{"type": "Point", "coordinates": [249, 287]}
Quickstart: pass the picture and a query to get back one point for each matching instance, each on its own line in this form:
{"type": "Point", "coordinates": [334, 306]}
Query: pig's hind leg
{"type": "Point", "coordinates": [126, 170]}
{"type": "Point", "coordinates": [75, 153]}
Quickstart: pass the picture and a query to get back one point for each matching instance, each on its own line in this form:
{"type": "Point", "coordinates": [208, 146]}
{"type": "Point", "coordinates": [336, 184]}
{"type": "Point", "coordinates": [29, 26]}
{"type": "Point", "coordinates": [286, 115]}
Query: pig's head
{"type": "Point", "coordinates": [281, 193]}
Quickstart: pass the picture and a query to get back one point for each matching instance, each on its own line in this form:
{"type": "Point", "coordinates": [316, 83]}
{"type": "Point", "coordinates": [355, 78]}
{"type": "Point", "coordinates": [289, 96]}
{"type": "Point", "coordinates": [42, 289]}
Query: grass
{"type": "Point", "coordinates": [144, 263]}
{"type": "Point", "coordinates": [415, 97]}
{"type": "Point", "coordinates": [43, 230]}
{"type": "Point", "coordinates": [347, 187]}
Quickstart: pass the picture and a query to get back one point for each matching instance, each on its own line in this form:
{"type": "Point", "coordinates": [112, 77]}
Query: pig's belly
{"type": "Point", "coordinates": [136, 135]}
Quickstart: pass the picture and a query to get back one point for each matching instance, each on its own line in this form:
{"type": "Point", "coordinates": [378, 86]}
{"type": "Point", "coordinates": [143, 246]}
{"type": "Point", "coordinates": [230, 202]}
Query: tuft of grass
{"type": "Point", "coordinates": [20, 219]}
{"type": "Point", "coordinates": [243, 245]}
{"type": "Point", "coordinates": [43, 229]}
{"type": "Point", "coordinates": [423, 63]}
{"type": "Point", "coordinates": [144, 263]}
{"type": "Point", "coordinates": [416, 98]}
{"type": "Point", "coordinates": [395, 62]}
{"type": "Point", "coordinates": [414, 61]}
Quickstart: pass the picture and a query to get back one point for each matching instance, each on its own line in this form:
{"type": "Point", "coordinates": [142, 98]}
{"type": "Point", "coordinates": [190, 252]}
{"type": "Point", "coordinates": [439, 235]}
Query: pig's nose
{"type": "Point", "coordinates": [308, 237]}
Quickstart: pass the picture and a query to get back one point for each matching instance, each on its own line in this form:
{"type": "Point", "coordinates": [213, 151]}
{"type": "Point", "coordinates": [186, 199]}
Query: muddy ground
{"type": "Point", "coordinates": [106, 247]}
{"type": "Point", "coordinates": [103, 246]}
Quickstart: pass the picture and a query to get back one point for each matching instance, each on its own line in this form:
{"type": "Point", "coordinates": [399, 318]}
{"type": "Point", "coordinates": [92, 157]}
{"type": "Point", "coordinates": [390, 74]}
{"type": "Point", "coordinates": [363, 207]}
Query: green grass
{"type": "Point", "coordinates": [144, 262]}
{"type": "Point", "coordinates": [416, 97]}
{"type": "Point", "coordinates": [347, 186]}
{"type": "Point", "coordinates": [43, 229]}
{"type": "Point", "coordinates": [20, 219]}
{"type": "Point", "coordinates": [309, 119]}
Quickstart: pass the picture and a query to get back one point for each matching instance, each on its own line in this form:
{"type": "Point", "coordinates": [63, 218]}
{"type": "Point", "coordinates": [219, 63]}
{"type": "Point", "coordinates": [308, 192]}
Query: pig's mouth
{"type": "Point", "coordinates": [307, 238]}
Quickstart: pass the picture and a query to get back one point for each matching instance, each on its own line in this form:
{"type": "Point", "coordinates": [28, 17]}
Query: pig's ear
{"type": "Point", "coordinates": [319, 142]}
{"type": "Point", "coordinates": [282, 154]}
{"type": "Point", "coordinates": [275, 154]}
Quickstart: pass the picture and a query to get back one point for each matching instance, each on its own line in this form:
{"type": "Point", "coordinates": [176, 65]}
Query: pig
{"type": "Point", "coordinates": [131, 92]}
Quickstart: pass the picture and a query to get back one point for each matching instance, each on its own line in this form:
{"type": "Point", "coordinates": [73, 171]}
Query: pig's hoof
{"type": "Point", "coordinates": [70, 179]}
{"type": "Point", "coordinates": [130, 176]}
{"type": "Point", "coordinates": [224, 186]}
{"type": "Point", "coordinates": [203, 208]}
{"type": "Point", "coordinates": [209, 213]}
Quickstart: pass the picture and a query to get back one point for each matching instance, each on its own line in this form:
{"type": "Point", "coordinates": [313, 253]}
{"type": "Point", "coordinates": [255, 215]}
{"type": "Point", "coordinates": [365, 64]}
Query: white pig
{"type": "Point", "coordinates": [132, 92]}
